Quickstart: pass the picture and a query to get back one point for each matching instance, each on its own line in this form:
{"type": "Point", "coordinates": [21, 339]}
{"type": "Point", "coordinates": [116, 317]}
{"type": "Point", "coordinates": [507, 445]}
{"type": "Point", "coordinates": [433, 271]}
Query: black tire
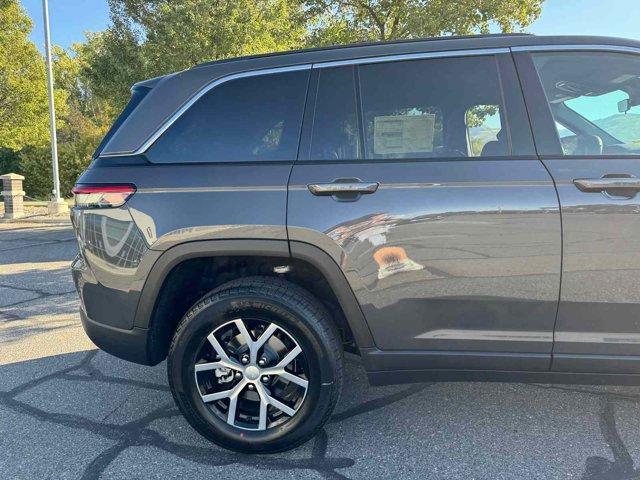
{"type": "Point", "coordinates": [303, 317]}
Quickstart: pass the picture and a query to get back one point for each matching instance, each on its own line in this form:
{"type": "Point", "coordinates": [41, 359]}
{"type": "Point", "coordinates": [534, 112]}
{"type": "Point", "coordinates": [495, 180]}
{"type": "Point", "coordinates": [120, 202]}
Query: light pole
{"type": "Point", "coordinates": [57, 204]}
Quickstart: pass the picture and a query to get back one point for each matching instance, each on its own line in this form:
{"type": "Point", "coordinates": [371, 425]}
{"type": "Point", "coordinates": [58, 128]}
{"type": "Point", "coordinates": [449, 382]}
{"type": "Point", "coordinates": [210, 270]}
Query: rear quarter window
{"type": "Point", "coordinates": [137, 95]}
{"type": "Point", "coordinates": [250, 119]}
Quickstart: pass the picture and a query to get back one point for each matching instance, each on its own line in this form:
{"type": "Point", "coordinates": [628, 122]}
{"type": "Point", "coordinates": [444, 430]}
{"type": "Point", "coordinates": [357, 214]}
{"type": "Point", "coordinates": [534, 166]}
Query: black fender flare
{"type": "Point", "coordinates": [311, 254]}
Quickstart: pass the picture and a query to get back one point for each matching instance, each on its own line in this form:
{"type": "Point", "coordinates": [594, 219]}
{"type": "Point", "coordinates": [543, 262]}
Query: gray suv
{"type": "Point", "coordinates": [447, 209]}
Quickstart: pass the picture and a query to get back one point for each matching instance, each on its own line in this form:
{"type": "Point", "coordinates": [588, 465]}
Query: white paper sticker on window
{"type": "Point", "coordinates": [403, 133]}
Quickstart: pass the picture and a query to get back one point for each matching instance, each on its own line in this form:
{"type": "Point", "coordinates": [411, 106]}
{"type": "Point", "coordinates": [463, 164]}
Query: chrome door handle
{"type": "Point", "coordinates": [338, 188]}
{"type": "Point", "coordinates": [607, 183]}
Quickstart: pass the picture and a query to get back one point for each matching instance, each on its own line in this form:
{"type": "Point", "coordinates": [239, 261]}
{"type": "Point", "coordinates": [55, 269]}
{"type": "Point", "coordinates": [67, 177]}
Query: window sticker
{"type": "Point", "coordinates": [394, 134]}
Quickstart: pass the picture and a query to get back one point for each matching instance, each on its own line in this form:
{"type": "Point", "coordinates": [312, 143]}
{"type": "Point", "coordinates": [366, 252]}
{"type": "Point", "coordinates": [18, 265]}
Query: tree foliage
{"type": "Point", "coordinates": [361, 20]}
{"type": "Point", "coordinates": [24, 116]}
{"type": "Point", "coordinates": [83, 119]}
{"type": "Point", "coordinates": [148, 38]}
{"type": "Point", "coordinates": [154, 37]}
{"type": "Point", "coordinates": [112, 61]}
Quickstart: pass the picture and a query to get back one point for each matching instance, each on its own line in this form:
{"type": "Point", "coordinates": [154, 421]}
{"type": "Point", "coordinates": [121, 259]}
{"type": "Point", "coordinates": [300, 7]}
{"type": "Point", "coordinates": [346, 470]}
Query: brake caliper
{"type": "Point", "coordinates": [224, 375]}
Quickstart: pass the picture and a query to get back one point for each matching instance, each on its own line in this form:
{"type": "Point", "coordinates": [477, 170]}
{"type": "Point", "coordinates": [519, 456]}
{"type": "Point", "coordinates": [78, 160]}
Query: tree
{"type": "Point", "coordinates": [84, 119]}
{"type": "Point", "coordinates": [148, 38]}
{"type": "Point", "coordinates": [361, 20]}
{"type": "Point", "coordinates": [111, 62]}
{"type": "Point", "coordinates": [24, 118]}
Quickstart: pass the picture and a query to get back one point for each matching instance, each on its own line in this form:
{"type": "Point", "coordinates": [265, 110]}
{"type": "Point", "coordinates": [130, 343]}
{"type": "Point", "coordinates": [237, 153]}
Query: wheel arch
{"type": "Point", "coordinates": [160, 332]}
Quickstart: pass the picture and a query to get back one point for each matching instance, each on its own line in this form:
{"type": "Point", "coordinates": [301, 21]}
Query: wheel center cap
{"type": "Point", "coordinates": [252, 372]}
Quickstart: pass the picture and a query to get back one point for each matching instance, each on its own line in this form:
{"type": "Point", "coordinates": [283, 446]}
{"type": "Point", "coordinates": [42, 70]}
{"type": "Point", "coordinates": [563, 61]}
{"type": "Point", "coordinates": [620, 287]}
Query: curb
{"type": "Point", "coordinates": [38, 219]}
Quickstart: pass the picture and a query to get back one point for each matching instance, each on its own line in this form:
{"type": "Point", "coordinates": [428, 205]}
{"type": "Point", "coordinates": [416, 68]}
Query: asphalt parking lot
{"type": "Point", "coordinates": [68, 410]}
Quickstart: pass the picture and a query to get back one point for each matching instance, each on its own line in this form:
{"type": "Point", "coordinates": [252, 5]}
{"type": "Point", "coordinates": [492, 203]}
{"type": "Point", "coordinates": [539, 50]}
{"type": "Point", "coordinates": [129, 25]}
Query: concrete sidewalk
{"type": "Point", "coordinates": [70, 411]}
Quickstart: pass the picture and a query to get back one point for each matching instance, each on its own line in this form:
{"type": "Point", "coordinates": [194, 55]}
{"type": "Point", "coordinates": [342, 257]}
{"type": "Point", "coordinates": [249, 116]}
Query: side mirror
{"type": "Point", "coordinates": [624, 106]}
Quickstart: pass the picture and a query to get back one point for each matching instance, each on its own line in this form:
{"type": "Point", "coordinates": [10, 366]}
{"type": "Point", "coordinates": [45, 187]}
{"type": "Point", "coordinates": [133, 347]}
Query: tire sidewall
{"type": "Point", "coordinates": [291, 316]}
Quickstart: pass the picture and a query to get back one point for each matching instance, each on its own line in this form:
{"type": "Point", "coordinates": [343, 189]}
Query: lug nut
{"type": "Point", "coordinates": [265, 379]}
{"type": "Point", "coordinates": [245, 359]}
{"type": "Point", "coordinates": [250, 386]}
{"type": "Point", "coordinates": [262, 362]}
{"type": "Point", "coordinates": [238, 375]}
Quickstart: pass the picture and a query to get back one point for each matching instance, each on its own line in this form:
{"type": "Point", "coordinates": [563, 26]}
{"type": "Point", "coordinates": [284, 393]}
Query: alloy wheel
{"type": "Point", "coordinates": [252, 374]}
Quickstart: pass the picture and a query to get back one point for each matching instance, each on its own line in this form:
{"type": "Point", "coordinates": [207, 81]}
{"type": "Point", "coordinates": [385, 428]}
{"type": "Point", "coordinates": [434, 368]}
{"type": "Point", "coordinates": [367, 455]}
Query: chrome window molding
{"type": "Point", "coordinates": [363, 61]}
{"type": "Point", "coordinates": [355, 61]}
{"type": "Point", "coordinates": [576, 47]}
{"type": "Point", "coordinates": [197, 96]}
{"type": "Point", "coordinates": [411, 56]}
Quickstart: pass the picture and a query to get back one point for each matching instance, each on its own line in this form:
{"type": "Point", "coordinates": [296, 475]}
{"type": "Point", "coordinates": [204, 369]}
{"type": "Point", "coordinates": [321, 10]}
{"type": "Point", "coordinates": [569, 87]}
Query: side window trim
{"type": "Point", "coordinates": [311, 87]}
{"type": "Point", "coordinates": [516, 117]}
{"type": "Point", "coordinates": [545, 134]}
{"type": "Point", "coordinates": [359, 112]}
{"type": "Point", "coordinates": [503, 112]}
{"type": "Point", "coordinates": [308, 121]}
{"type": "Point", "coordinates": [306, 130]}
{"type": "Point", "coordinates": [576, 48]}
{"type": "Point", "coordinates": [412, 56]}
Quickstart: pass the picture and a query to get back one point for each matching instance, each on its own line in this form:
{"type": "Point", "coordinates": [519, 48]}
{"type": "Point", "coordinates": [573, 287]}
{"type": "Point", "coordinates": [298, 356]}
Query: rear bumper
{"type": "Point", "coordinates": [129, 345]}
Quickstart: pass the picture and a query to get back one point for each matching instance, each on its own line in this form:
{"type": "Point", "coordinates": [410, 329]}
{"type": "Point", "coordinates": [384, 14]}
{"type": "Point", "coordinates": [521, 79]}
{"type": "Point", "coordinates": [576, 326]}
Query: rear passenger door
{"type": "Point", "coordinates": [586, 115]}
{"type": "Point", "coordinates": [420, 178]}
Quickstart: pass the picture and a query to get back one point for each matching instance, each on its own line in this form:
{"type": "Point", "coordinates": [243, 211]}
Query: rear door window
{"type": "Point", "coordinates": [595, 100]}
{"type": "Point", "coordinates": [250, 119]}
{"type": "Point", "coordinates": [445, 107]}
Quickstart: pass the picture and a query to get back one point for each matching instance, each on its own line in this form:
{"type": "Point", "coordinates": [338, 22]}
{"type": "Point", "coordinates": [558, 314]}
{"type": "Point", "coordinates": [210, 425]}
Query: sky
{"type": "Point", "coordinates": [68, 20]}
{"type": "Point", "coordinates": [619, 18]}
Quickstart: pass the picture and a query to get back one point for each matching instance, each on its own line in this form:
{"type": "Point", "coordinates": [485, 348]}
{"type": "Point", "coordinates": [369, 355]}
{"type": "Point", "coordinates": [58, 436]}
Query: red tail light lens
{"type": "Point", "coordinates": [102, 196]}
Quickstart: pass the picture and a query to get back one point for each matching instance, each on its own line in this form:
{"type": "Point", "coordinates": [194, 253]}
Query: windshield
{"type": "Point", "coordinates": [602, 110]}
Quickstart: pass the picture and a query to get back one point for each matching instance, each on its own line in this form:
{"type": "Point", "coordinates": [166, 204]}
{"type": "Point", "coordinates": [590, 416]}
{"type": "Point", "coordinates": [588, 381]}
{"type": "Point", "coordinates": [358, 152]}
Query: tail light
{"type": "Point", "coordinates": [102, 196]}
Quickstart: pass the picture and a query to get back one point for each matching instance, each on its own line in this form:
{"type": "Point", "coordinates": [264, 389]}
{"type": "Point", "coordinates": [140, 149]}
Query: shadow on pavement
{"type": "Point", "coordinates": [128, 408]}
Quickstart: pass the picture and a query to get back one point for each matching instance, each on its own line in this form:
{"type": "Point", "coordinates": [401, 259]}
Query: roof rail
{"type": "Point", "coordinates": [362, 44]}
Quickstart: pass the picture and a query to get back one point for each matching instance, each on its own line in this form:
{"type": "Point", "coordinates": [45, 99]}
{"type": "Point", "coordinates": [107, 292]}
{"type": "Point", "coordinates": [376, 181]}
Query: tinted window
{"type": "Point", "coordinates": [449, 107]}
{"type": "Point", "coordinates": [568, 139]}
{"type": "Point", "coordinates": [483, 125]}
{"type": "Point", "coordinates": [335, 133]}
{"type": "Point", "coordinates": [250, 119]}
{"type": "Point", "coordinates": [137, 95]}
{"type": "Point", "coordinates": [594, 99]}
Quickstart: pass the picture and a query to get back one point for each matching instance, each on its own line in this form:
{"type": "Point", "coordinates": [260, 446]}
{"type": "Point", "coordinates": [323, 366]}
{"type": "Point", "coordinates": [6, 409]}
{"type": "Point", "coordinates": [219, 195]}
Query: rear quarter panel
{"type": "Point", "coordinates": [178, 203]}
{"type": "Point", "coordinates": [173, 204]}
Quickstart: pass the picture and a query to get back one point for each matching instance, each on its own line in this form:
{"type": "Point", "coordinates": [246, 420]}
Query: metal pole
{"type": "Point", "coordinates": [52, 110]}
